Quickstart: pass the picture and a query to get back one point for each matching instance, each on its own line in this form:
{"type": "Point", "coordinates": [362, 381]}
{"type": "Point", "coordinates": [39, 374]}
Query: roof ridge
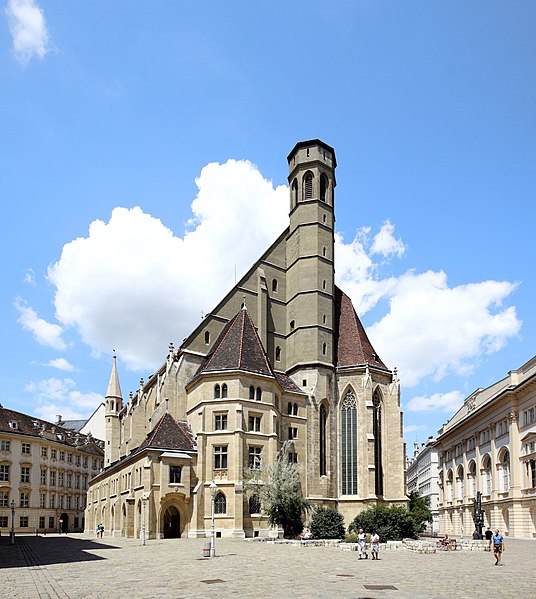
{"type": "Point", "coordinates": [219, 341]}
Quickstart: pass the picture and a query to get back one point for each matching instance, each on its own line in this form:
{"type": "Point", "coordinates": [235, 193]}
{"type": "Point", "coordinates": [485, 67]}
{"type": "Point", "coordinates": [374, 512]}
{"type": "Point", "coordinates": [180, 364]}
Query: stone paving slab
{"type": "Point", "coordinates": [83, 567]}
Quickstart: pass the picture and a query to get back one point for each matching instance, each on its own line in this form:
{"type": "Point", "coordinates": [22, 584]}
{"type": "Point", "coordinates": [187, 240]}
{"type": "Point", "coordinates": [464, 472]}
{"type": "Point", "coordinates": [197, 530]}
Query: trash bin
{"type": "Point", "coordinates": [206, 549]}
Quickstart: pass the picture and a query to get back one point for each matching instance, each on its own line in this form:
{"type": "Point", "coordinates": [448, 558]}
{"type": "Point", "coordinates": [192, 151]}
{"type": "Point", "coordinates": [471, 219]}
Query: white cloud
{"type": "Point", "coordinates": [433, 330]}
{"type": "Point", "coordinates": [384, 242]}
{"type": "Point", "coordinates": [60, 397]}
{"type": "Point", "coordinates": [438, 402]}
{"type": "Point", "coordinates": [61, 364]}
{"type": "Point", "coordinates": [28, 30]}
{"type": "Point", "coordinates": [29, 276]}
{"type": "Point", "coordinates": [45, 333]}
{"type": "Point", "coordinates": [411, 428]}
{"type": "Point", "coordinates": [133, 285]}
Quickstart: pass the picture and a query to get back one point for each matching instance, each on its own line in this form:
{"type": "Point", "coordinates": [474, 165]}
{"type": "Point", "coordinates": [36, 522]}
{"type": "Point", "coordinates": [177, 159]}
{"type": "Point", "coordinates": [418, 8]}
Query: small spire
{"type": "Point", "coordinates": [244, 307]}
{"type": "Point", "coordinates": [114, 389]}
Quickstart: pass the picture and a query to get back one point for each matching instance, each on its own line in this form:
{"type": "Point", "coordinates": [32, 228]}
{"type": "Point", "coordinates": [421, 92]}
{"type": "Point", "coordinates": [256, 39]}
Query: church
{"type": "Point", "coordinates": [282, 359]}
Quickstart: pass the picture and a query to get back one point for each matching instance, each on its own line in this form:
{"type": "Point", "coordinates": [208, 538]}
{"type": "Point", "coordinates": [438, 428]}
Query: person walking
{"type": "Point", "coordinates": [362, 541]}
{"type": "Point", "coordinates": [498, 547]}
{"type": "Point", "coordinates": [375, 545]}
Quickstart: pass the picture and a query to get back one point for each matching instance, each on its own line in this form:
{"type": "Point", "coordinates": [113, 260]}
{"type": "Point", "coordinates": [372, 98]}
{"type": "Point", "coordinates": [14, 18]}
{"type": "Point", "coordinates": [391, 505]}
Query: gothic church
{"type": "Point", "coordinates": [282, 357]}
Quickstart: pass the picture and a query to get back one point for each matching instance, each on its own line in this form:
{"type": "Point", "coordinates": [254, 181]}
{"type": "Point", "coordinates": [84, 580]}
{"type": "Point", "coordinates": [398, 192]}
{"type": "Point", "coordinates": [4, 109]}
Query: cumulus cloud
{"type": "Point", "coordinates": [438, 402]}
{"type": "Point", "coordinates": [45, 333]}
{"type": "Point", "coordinates": [433, 330]}
{"type": "Point", "coordinates": [61, 364]}
{"type": "Point", "coordinates": [55, 396]}
{"type": "Point", "coordinates": [29, 276]}
{"type": "Point", "coordinates": [28, 30]}
{"type": "Point", "coordinates": [133, 285]}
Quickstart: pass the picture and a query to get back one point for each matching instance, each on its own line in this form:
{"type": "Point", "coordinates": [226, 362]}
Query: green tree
{"type": "Point", "coordinates": [419, 506]}
{"type": "Point", "coordinates": [327, 523]}
{"type": "Point", "coordinates": [392, 523]}
{"type": "Point", "coordinates": [278, 487]}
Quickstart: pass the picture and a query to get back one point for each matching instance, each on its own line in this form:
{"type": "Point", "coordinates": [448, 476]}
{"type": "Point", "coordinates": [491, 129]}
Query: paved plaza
{"type": "Point", "coordinates": [81, 566]}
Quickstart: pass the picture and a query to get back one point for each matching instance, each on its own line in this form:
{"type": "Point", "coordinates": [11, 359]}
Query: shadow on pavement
{"type": "Point", "coordinates": [42, 551]}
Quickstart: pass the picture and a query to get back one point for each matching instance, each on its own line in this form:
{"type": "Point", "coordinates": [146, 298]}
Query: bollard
{"type": "Point", "coordinates": [206, 549]}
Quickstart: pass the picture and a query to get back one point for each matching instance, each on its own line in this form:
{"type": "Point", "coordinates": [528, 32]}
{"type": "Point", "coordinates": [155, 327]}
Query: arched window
{"type": "Point", "coordinates": [274, 285]}
{"type": "Point", "coordinates": [449, 485]}
{"type": "Point", "coordinates": [324, 284]}
{"type": "Point", "coordinates": [258, 394]}
{"type": "Point", "coordinates": [292, 325]}
{"type": "Point", "coordinates": [324, 348]}
{"type": "Point", "coordinates": [377, 431]}
{"type": "Point", "coordinates": [460, 483]}
{"type": "Point", "coordinates": [254, 504]}
{"type": "Point", "coordinates": [289, 408]}
{"type": "Point", "coordinates": [207, 337]}
{"type": "Point", "coordinates": [295, 409]}
{"type": "Point", "coordinates": [217, 392]}
{"type": "Point", "coordinates": [220, 503]}
{"type": "Point", "coordinates": [349, 443]}
{"type": "Point", "coordinates": [294, 195]}
{"type": "Point", "coordinates": [278, 354]}
{"type": "Point", "coordinates": [471, 479]}
{"type": "Point", "coordinates": [323, 187]}
{"type": "Point", "coordinates": [324, 252]}
{"type": "Point", "coordinates": [308, 185]}
{"type": "Point", "coordinates": [252, 392]}
{"type": "Point", "coordinates": [224, 390]}
{"type": "Point", "coordinates": [486, 475]}
{"type": "Point", "coordinates": [505, 466]}
{"type": "Point", "coordinates": [323, 423]}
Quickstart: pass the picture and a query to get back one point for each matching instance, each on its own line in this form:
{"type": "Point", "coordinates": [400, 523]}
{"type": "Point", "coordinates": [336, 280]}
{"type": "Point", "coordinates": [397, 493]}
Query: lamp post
{"type": "Point", "coordinates": [213, 487]}
{"type": "Point", "coordinates": [143, 510]}
{"type": "Point", "coordinates": [13, 522]}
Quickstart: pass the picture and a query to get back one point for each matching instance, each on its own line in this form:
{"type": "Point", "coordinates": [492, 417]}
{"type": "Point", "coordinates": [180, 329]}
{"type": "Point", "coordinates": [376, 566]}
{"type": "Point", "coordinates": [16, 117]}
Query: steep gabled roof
{"type": "Point", "coordinates": [238, 347]}
{"type": "Point", "coordinates": [352, 344]}
{"type": "Point", "coordinates": [169, 434]}
{"type": "Point", "coordinates": [286, 383]}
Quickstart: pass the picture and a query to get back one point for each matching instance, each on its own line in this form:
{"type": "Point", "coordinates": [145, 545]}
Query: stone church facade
{"type": "Point", "coordinates": [283, 357]}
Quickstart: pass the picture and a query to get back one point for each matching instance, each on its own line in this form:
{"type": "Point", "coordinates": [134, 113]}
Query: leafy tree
{"type": "Point", "coordinates": [327, 523]}
{"type": "Point", "coordinates": [279, 489]}
{"type": "Point", "coordinates": [419, 506]}
{"type": "Point", "coordinates": [392, 523]}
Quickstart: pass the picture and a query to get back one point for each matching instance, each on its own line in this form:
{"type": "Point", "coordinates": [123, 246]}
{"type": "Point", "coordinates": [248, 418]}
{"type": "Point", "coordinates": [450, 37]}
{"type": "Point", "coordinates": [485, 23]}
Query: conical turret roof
{"type": "Point", "coordinates": [114, 389]}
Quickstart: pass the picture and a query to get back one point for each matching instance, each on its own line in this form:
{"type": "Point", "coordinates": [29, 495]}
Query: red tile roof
{"type": "Point", "coordinates": [238, 348]}
{"type": "Point", "coordinates": [169, 434]}
{"type": "Point", "coordinates": [352, 344]}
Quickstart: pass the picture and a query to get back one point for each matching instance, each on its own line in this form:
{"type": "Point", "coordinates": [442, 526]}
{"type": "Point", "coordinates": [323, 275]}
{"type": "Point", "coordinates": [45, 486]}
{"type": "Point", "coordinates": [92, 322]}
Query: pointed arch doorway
{"type": "Point", "coordinates": [172, 523]}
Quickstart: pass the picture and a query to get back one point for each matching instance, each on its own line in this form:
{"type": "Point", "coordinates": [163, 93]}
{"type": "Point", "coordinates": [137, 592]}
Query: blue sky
{"type": "Point", "coordinates": [129, 129]}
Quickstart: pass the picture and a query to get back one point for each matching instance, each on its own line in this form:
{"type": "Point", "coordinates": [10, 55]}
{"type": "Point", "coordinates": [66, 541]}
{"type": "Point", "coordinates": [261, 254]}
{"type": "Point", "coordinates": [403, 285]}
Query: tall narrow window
{"type": "Point", "coordinates": [324, 348]}
{"type": "Point", "coordinates": [217, 392]}
{"type": "Point", "coordinates": [377, 430]}
{"type": "Point", "coordinates": [308, 185]}
{"type": "Point", "coordinates": [323, 422]}
{"type": "Point", "coordinates": [506, 471]}
{"type": "Point", "coordinates": [278, 354]}
{"type": "Point", "coordinates": [274, 285]}
{"type": "Point", "coordinates": [349, 444]}
{"type": "Point", "coordinates": [224, 390]}
{"type": "Point", "coordinates": [252, 392]}
{"type": "Point", "coordinates": [294, 193]}
{"type": "Point", "coordinates": [295, 409]}
{"type": "Point", "coordinates": [289, 408]}
{"type": "Point", "coordinates": [207, 337]}
{"type": "Point", "coordinates": [254, 504]}
{"type": "Point", "coordinates": [258, 394]}
{"type": "Point", "coordinates": [220, 503]}
{"type": "Point", "coordinates": [323, 187]}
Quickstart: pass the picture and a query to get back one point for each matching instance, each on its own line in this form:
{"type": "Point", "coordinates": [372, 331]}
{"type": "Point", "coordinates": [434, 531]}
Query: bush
{"type": "Point", "coordinates": [392, 523]}
{"type": "Point", "coordinates": [327, 523]}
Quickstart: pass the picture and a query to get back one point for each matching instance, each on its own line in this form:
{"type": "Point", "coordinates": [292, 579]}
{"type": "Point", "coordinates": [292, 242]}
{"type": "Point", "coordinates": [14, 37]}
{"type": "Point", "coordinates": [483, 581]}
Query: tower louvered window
{"type": "Point", "coordinates": [323, 188]}
{"type": "Point", "coordinates": [308, 186]}
{"type": "Point", "coordinates": [349, 444]}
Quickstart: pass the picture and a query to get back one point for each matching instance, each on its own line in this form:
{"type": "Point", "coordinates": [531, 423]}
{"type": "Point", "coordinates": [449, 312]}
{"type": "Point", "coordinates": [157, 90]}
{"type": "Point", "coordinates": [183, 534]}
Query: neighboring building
{"type": "Point", "coordinates": [44, 474]}
{"type": "Point", "coordinates": [282, 357]}
{"type": "Point", "coordinates": [422, 475]}
{"type": "Point", "coordinates": [489, 445]}
{"type": "Point", "coordinates": [93, 426]}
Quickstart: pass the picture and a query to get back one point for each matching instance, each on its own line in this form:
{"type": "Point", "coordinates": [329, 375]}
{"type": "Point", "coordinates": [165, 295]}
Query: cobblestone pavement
{"type": "Point", "coordinates": [80, 567]}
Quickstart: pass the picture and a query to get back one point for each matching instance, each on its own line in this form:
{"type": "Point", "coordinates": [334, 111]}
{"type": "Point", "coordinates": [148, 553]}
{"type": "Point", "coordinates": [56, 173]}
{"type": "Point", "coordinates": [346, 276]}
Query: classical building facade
{"type": "Point", "coordinates": [489, 445]}
{"type": "Point", "coordinates": [44, 474]}
{"type": "Point", "coordinates": [422, 476]}
{"type": "Point", "coordinates": [283, 357]}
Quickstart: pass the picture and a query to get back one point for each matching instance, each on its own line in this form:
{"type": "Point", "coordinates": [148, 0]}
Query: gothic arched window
{"type": "Point", "coordinates": [323, 187]}
{"type": "Point", "coordinates": [220, 503]}
{"type": "Point", "coordinates": [294, 194]}
{"type": "Point", "coordinates": [217, 392]}
{"type": "Point", "coordinates": [349, 443]}
{"type": "Point", "coordinates": [377, 431]}
{"type": "Point", "coordinates": [258, 394]}
{"type": "Point", "coordinates": [323, 423]}
{"type": "Point", "coordinates": [252, 392]}
{"type": "Point", "coordinates": [224, 390]}
{"type": "Point", "coordinates": [278, 354]}
{"type": "Point", "coordinates": [308, 186]}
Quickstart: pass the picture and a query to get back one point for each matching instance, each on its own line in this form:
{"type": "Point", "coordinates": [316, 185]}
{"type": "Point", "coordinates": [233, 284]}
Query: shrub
{"type": "Point", "coordinates": [327, 523]}
{"type": "Point", "coordinates": [392, 523]}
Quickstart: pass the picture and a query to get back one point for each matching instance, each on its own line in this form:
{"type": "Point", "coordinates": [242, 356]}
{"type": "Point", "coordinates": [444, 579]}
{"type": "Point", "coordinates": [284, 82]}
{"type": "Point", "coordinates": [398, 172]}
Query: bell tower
{"type": "Point", "coordinates": [309, 255]}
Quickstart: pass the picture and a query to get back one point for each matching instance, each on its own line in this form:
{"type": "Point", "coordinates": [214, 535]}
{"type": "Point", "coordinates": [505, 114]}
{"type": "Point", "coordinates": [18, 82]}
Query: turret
{"type": "Point", "coordinates": [114, 404]}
